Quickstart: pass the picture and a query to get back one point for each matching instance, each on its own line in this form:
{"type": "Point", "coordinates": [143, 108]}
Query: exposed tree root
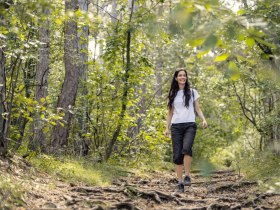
{"type": "Point", "coordinates": [222, 190]}
{"type": "Point", "coordinates": [152, 195]}
{"type": "Point", "coordinates": [124, 205]}
{"type": "Point", "coordinates": [232, 186]}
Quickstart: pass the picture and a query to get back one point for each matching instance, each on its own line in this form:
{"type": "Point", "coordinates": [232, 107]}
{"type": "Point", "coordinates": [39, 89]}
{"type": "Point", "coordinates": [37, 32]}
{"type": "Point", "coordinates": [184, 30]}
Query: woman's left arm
{"type": "Point", "coordinates": [200, 114]}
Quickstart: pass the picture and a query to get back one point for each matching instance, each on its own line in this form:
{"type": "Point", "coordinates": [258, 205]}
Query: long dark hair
{"type": "Point", "coordinates": [175, 88]}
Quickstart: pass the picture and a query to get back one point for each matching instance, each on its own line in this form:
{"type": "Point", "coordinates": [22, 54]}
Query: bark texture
{"type": "Point", "coordinates": [72, 63]}
{"type": "Point", "coordinates": [41, 91]}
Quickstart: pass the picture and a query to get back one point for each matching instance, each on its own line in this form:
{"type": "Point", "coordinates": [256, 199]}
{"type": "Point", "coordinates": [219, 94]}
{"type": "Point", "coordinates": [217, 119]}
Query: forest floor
{"type": "Point", "coordinates": [155, 190]}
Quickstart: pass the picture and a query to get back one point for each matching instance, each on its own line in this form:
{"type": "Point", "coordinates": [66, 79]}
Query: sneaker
{"type": "Point", "coordinates": [187, 181]}
{"type": "Point", "coordinates": [181, 187]}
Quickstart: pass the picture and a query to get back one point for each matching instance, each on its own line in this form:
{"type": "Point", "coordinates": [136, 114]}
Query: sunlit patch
{"type": "Point", "coordinates": [70, 14]}
{"type": "Point", "coordinates": [276, 147]}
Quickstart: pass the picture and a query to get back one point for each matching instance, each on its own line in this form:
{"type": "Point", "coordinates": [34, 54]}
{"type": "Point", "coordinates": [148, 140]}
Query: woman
{"type": "Point", "coordinates": [182, 105]}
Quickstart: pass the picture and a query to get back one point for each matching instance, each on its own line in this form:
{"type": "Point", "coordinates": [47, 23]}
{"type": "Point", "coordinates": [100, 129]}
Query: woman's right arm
{"type": "Point", "coordinates": [168, 122]}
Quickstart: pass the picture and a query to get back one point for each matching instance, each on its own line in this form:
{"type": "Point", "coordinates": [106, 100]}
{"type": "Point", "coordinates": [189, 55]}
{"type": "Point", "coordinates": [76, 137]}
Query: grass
{"type": "Point", "coordinates": [79, 170]}
{"type": "Point", "coordinates": [13, 185]}
{"type": "Point", "coordinates": [18, 177]}
{"type": "Point", "coordinates": [11, 191]}
{"type": "Point", "coordinates": [265, 168]}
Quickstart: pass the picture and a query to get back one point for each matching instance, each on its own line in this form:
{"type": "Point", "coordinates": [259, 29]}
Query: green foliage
{"type": "Point", "coordinates": [244, 156]}
{"type": "Point", "coordinates": [79, 170]}
{"type": "Point", "coordinates": [11, 192]}
{"type": "Point", "coordinates": [263, 167]}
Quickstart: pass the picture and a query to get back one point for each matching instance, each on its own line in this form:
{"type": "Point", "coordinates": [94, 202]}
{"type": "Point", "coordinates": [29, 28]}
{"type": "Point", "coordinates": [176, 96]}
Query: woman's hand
{"type": "Point", "coordinates": [166, 132]}
{"type": "Point", "coordinates": [204, 124]}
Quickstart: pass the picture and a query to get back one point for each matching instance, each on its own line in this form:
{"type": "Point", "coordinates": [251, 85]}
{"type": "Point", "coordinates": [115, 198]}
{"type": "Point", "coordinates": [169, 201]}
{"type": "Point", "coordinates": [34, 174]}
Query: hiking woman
{"type": "Point", "coordinates": [182, 108]}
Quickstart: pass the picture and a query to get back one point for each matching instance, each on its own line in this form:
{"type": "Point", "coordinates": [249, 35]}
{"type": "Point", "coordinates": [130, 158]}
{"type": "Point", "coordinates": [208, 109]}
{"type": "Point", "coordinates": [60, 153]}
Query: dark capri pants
{"type": "Point", "coordinates": [182, 135]}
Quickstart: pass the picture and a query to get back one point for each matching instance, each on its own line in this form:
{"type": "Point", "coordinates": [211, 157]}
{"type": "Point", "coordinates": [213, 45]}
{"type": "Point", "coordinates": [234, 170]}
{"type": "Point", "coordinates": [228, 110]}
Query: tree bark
{"type": "Point", "coordinates": [41, 91]}
{"type": "Point", "coordinates": [114, 12]}
{"type": "Point", "coordinates": [3, 142]}
{"type": "Point", "coordinates": [3, 104]}
{"type": "Point", "coordinates": [113, 140]}
{"type": "Point", "coordinates": [159, 64]}
{"type": "Point", "coordinates": [72, 64]}
{"type": "Point", "coordinates": [81, 145]}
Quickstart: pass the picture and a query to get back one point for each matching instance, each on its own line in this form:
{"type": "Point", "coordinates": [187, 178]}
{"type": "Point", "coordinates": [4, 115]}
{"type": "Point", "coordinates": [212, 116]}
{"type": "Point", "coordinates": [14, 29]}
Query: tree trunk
{"type": "Point", "coordinates": [114, 11]}
{"type": "Point", "coordinates": [72, 63]}
{"type": "Point", "coordinates": [245, 4]}
{"type": "Point", "coordinates": [113, 140]}
{"type": "Point", "coordinates": [81, 145]}
{"type": "Point", "coordinates": [41, 92]}
{"type": "Point", "coordinates": [159, 64]}
{"type": "Point", "coordinates": [21, 121]}
{"type": "Point", "coordinates": [3, 105]}
{"type": "Point", "coordinates": [3, 142]}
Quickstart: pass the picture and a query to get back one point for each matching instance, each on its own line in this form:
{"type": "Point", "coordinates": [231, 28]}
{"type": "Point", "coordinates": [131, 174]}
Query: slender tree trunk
{"type": "Point", "coordinates": [158, 72]}
{"type": "Point", "coordinates": [3, 142]}
{"type": "Point", "coordinates": [21, 121]}
{"type": "Point", "coordinates": [159, 64]}
{"type": "Point", "coordinates": [41, 91]}
{"type": "Point", "coordinates": [245, 4]}
{"type": "Point", "coordinates": [82, 145]}
{"type": "Point", "coordinates": [72, 63]}
{"type": "Point", "coordinates": [114, 11]}
{"type": "Point", "coordinates": [3, 105]}
{"type": "Point", "coordinates": [124, 100]}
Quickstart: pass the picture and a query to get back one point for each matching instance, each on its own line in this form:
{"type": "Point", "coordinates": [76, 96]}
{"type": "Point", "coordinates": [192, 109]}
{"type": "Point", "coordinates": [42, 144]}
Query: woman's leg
{"type": "Point", "coordinates": [187, 147]}
{"type": "Point", "coordinates": [187, 164]}
{"type": "Point", "coordinates": [177, 135]}
{"type": "Point", "coordinates": [179, 172]}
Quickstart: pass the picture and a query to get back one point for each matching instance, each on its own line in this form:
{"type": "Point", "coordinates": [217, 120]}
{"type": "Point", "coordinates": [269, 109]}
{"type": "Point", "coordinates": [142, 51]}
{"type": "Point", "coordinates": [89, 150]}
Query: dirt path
{"type": "Point", "coordinates": [222, 190]}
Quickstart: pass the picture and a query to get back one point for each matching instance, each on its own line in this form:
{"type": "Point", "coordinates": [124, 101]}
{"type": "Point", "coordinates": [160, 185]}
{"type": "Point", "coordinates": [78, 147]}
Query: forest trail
{"type": "Point", "coordinates": [220, 190]}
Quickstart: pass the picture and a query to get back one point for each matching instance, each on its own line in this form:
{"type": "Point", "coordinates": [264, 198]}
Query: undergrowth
{"type": "Point", "coordinates": [261, 166]}
{"type": "Point", "coordinates": [79, 170]}
{"type": "Point", "coordinates": [12, 189]}
{"type": "Point", "coordinates": [265, 168]}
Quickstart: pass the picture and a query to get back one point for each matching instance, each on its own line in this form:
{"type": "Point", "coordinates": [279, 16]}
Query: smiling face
{"type": "Point", "coordinates": [181, 78]}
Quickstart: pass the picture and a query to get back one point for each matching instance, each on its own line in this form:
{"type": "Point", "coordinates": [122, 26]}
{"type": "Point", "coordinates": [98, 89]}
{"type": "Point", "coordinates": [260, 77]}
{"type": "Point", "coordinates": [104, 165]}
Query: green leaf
{"type": "Point", "coordinates": [221, 57]}
{"type": "Point", "coordinates": [250, 41]}
{"type": "Point", "coordinates": [200, 54]}
{"type": "Point", "coordinates": [79, 13]}
{"type": "Point", "coordinates": [197, 42]}
{"type": "Point", "coordinates": [58, 21]}
{"type": "Point", "coordinates": [231, 32]}
{"type": "Point", "coordinates": [256, 33]}
{"type": "Point", "coordinates": [208, 6]}
{"type": "Point", "coordinates": [232, 72]}
{"type": "Point", "coordinates": [210, 41]}
{"type": "Point", "coordinates": [241, 12]}
{"type": "Point", "coordinates": [240, 37]}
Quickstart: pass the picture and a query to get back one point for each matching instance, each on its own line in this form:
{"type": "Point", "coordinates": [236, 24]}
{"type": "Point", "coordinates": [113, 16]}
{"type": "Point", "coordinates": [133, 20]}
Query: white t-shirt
{"type": "Point", "coordinates": [181, 113]}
